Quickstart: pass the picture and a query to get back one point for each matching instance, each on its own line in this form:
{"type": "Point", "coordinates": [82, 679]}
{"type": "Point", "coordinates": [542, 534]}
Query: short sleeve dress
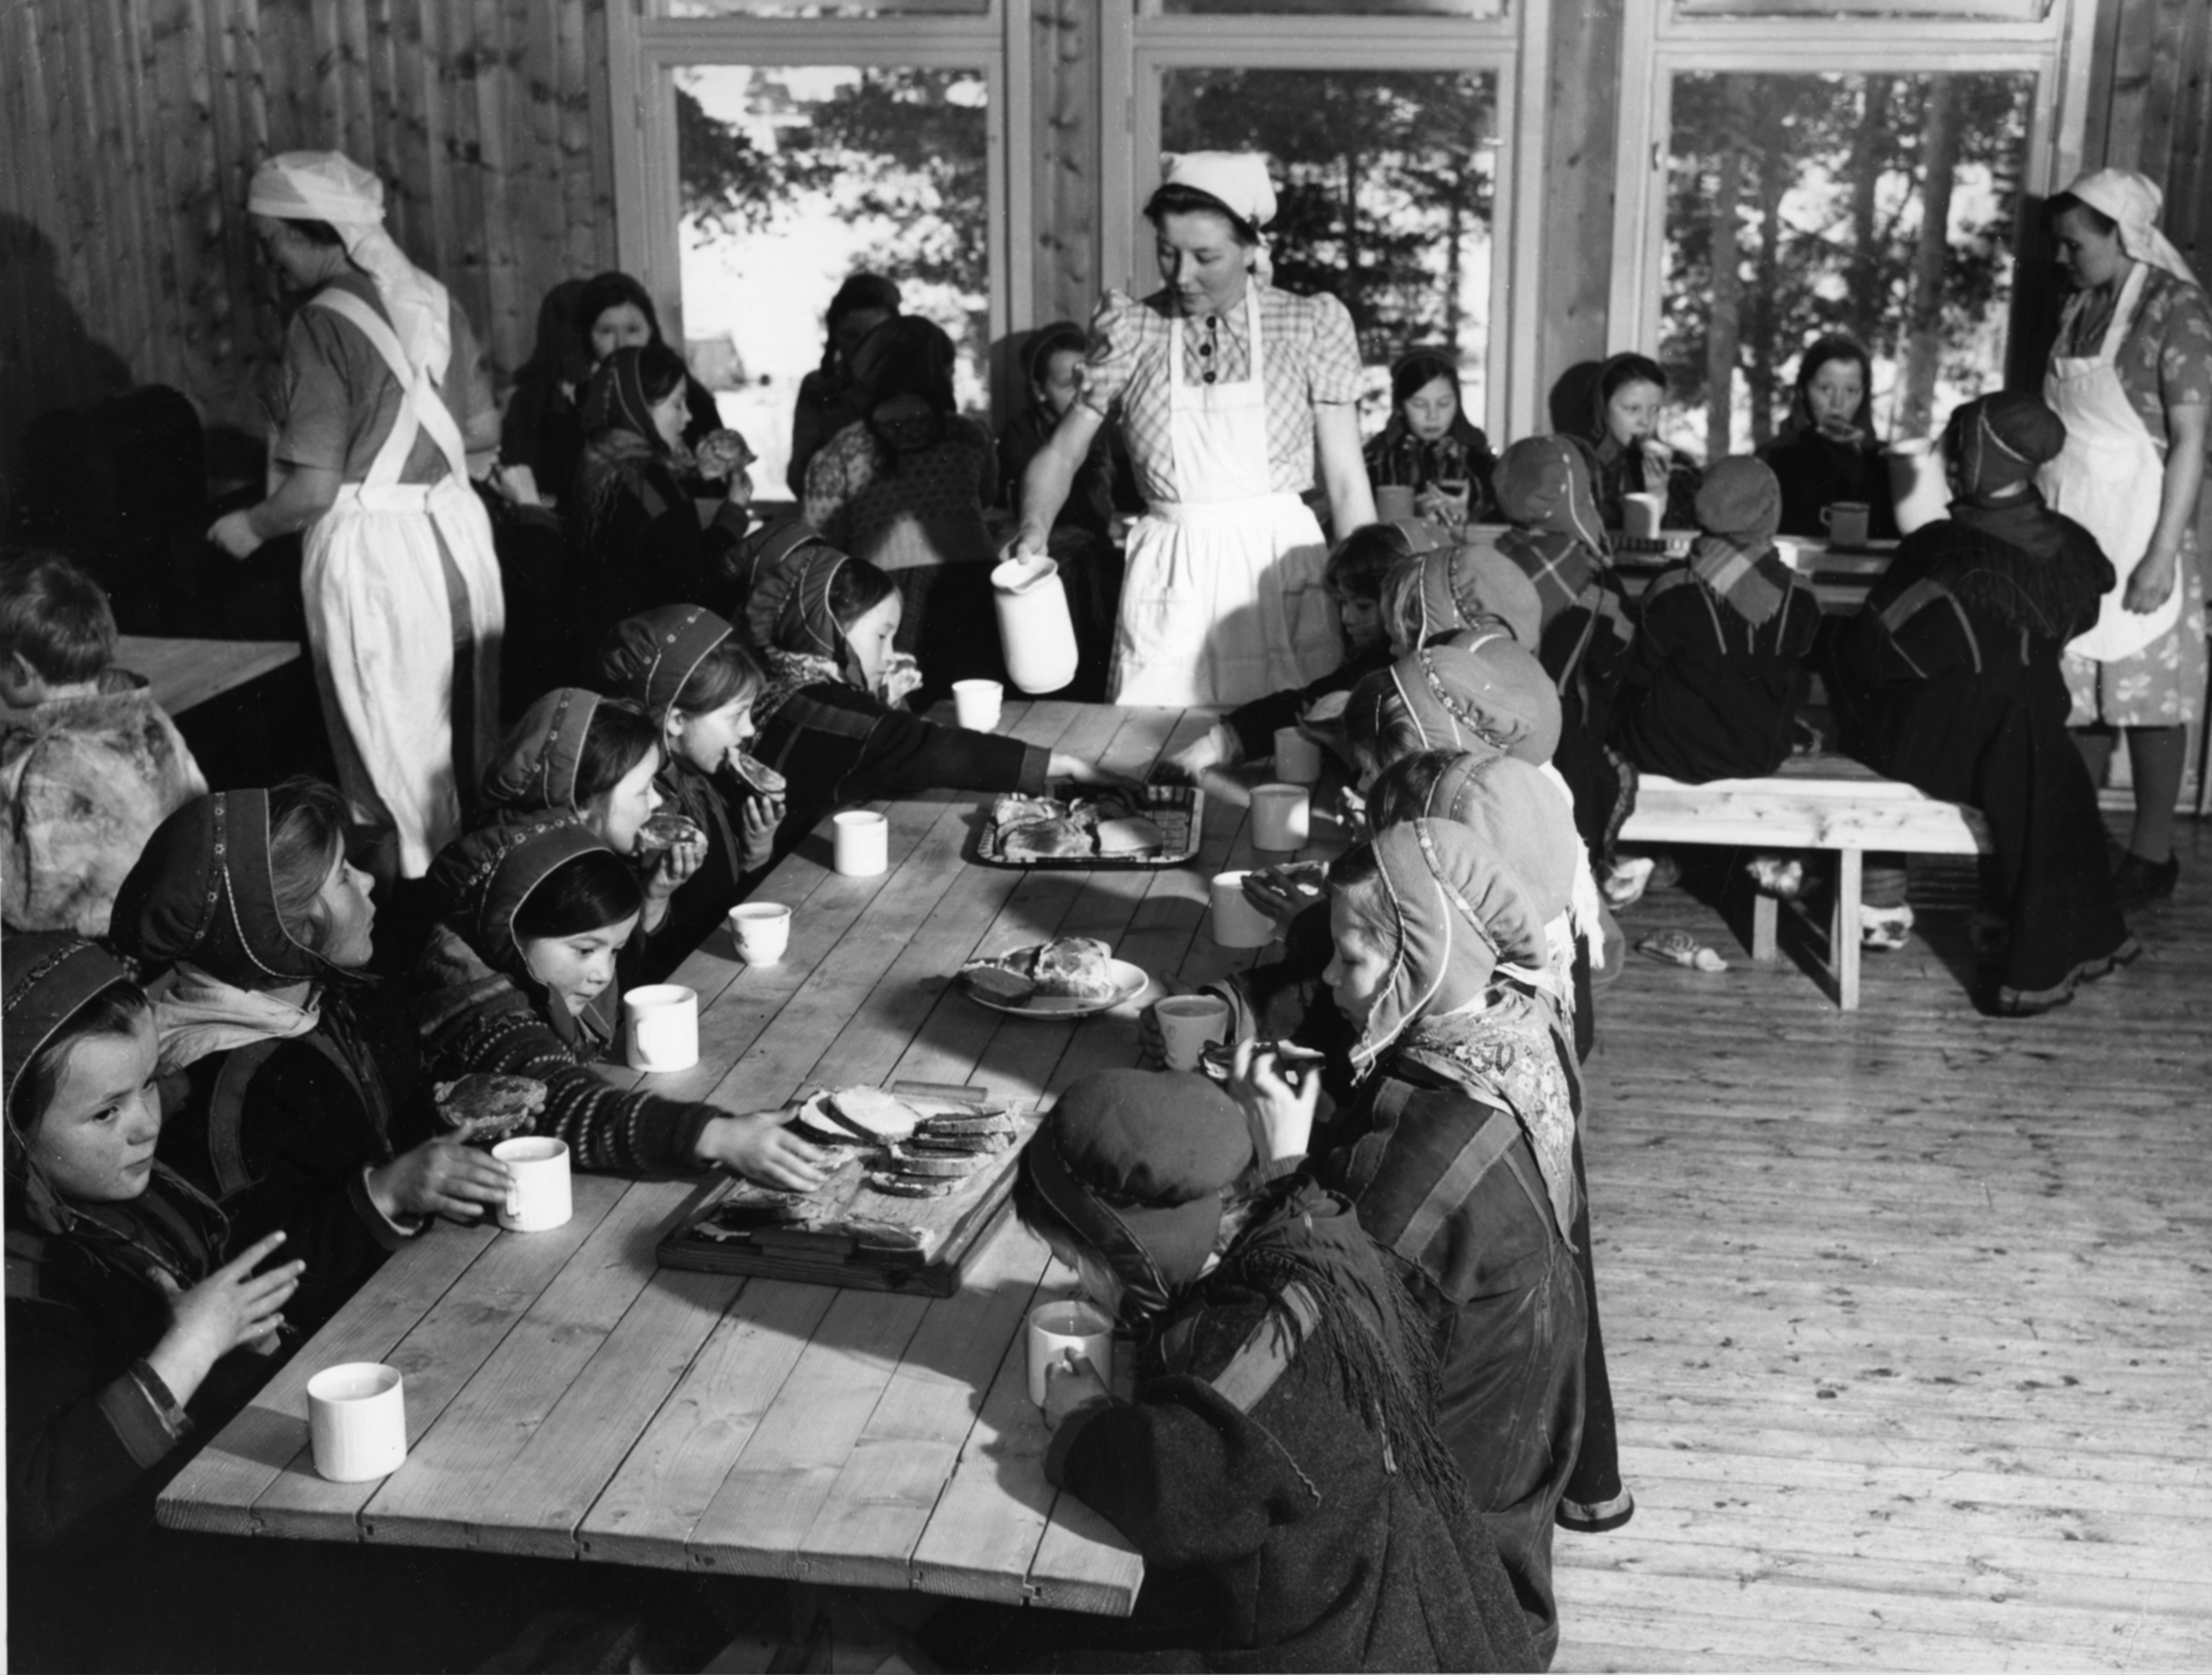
{"type": "Point", "coordinates": [1224, 601]}
{"type": "Point", "coordinates": [2165, 362]}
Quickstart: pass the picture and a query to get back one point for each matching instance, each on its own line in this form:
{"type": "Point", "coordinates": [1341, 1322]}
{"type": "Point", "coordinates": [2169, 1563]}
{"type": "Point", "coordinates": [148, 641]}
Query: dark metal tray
{"type": "Point", "coordinates": [1179, 811]}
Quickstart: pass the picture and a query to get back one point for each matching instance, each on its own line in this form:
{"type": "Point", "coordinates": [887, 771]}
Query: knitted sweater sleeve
{"type": "Point", "coordinates": [473, 1019]}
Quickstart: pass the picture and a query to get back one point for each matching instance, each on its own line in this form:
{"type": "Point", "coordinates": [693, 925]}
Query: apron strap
{"type": "Point", "coordinates": [420, 402]}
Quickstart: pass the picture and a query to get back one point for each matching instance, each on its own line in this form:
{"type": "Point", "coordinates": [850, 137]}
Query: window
{"type": "Point", "coordinates": [1761, 204]}
{"type": "Point", "coordinates": [795, 176]}
{"type": "Point", "coordinates": [1384, 127]}
{"type": "Point", "coordinates": [1881, 207]}
{"type": "Point", "coordinates": [779, 147]}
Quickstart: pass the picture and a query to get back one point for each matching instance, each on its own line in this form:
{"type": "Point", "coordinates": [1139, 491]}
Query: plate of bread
{"type": "Point", "coordinates": [1070, 977]}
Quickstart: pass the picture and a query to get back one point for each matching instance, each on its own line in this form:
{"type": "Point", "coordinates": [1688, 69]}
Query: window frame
{"type": "Point", "coordinates": [1139, 44]}
{"type": "Point", "coordinates": [1660, 42]}
{"type": "Point", "coordinates": [645, 50]}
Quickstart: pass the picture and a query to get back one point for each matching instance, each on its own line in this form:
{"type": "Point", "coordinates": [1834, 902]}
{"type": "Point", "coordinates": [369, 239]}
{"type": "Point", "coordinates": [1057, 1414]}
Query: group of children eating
{"type": "Point", "coordinates": [1370, 1375]}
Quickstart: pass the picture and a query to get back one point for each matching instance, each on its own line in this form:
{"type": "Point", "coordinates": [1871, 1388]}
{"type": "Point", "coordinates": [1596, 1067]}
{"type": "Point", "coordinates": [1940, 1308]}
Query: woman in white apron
{"type": "Point", "coordinates": [1227, 390]}
{"type": "Point", "coordinates": [402, 588]}
{"type": "Point", "coordinates": [2132, 377]}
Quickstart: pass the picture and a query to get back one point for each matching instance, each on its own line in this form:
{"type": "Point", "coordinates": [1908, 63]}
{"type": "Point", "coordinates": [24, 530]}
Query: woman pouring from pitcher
{"type": "Point", "coordinates": [2131, 376]}
{"type": "Point", "coordinates": [1227, 390]}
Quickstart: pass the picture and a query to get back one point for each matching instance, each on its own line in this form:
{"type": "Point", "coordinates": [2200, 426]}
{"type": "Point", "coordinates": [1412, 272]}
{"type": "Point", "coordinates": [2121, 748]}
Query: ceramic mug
{"type": "Point", "coordinates": [660, 1027]}
{"type": "Point", "coordinates": [1641, 515]}
{"type": "Point", "coordinates": [538, 1198]}
{"type": "Point", "coordinates": [1846, 522]}
{"type": "Point", "coordinates": [357, 1421]}
{"type": "Point", "coordinates": [1066, 1333]}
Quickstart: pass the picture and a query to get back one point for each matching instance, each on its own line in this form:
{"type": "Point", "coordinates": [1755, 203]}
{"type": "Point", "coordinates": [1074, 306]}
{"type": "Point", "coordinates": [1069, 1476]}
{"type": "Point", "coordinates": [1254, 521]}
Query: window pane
{"type": "Point", "coordinates": [825, 8]}
{"type": "Point", "coordinates": [796, 176]}
{"type": "Point", "coordinates": [2013, 11]}
{"type": "Point", "coordinates": [1882, 207]}
{"type": "Point", "coordinates": [1386, 182]}
{"type": "Point", "coordinates": [1330, 8]}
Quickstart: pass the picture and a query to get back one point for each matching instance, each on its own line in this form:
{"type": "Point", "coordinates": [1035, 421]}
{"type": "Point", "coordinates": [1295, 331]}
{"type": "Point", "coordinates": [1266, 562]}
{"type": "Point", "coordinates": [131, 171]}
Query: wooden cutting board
{"type": "Point", "coordinates": [845, 1233]}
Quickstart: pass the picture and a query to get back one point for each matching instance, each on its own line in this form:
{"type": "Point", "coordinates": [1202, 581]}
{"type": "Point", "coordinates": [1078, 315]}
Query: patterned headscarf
{"type": "Point", "coordinates": [648, 657]}
{"type": "Point", "coordinates": [539, 760]}
{"type": "Point", "coordinates": [202, 890]}
{"type": "Point", "coordinates": [1447, 588]}
{"type": "Point", "coordinates": [1739, 509]}
{"type": "Point", "coordinates": [483, 879]}
{"type": "Point", "coordinates": [1543, 487]}
{"type": "Point", "coordinates": [1458, 914]}
{"type": "Point", "coordinates": [1453, 911]}
{"type": "Point", "coordinates": [1998, 441]}
{"type": "Point", "coordinates": [614, 399]}
{"type": "Point", "coordinates": [1480, 692]}
{"type": "Point", "coordinates": [173, 1228]}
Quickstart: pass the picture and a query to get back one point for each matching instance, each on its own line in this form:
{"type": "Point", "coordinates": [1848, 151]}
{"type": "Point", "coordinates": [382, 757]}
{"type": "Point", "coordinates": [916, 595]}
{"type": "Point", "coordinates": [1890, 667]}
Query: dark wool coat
{"type": "Point", "coordinates": [1950, 681]}
{"type": "Point", "coordinates": [1448, 1184]}
{"type": "Point", "coordinates": [283, 1133]}
{"type": "Point", "coordinates": [1707, 694]}
{"type": "Point", "coordinates": [1277, 1534]}
{"type": "Point", "coordinates": [836, 745]}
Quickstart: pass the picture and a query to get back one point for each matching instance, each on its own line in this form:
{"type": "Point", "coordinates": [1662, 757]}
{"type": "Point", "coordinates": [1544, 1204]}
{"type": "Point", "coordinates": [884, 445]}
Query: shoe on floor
{"type": "Point", "coordinates": [1627, 879]}
{"type": "Point", "coordinates": [1883, 929]}
{"type": "Point", "coordinates": [2138, 882]}
{"type": "Point", "coordinates": [1595, 1519]}
{"type": "Point", "coordinates": [1783, 880]}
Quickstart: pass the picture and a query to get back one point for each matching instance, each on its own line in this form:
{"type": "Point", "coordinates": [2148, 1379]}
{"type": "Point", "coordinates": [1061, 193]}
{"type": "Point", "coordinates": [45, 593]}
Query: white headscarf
{"type": "Point", "coordinates": [2133, 200]}
{"type": "Point", "coordinates": [330, 186]}
{"type": "Point", "coordinates": [1239, 180]}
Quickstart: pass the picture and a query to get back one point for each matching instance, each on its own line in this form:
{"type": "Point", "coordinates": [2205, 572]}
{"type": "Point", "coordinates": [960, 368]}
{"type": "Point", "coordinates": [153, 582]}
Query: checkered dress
{"type": "Point", "coordinates": [1312, 359]}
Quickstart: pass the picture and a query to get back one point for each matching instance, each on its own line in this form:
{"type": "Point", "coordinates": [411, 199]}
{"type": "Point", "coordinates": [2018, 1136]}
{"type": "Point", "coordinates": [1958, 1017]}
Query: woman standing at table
{"type": "Point", "coordinates": [380, 399]}
{"type": "Point", "coordinates": [1226, 389]}
{"type": "Point", "coordinates": [2132, 377]}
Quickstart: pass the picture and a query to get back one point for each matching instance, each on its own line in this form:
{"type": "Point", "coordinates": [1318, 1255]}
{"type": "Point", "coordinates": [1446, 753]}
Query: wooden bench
{"type": "Point", "coordinates": [1816, 803]}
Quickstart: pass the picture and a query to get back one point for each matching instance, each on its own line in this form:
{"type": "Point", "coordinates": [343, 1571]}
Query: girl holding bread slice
{"type": "Point", "coordinates": [696, 682]}
{"type": "Point", "coordinates": [831, 715]}
{"type": "Point", "coordinates": [296, 1097]}
{"type": "Point", "coordinates": [600, 759]}
{"type": "Point", "coordinates": [518, 978]}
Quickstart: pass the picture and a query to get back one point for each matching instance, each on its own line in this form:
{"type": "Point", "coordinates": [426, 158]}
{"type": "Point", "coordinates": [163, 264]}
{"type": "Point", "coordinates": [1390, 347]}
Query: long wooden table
{"type": "Point", "coordinates": [181, 674]}
{"type": "Point", "coordinates": [566, 1398]}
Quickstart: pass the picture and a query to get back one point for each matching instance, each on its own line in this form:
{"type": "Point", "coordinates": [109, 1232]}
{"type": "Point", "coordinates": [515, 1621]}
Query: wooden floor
{"type": "Point", "coordinates": [1909, 1310]}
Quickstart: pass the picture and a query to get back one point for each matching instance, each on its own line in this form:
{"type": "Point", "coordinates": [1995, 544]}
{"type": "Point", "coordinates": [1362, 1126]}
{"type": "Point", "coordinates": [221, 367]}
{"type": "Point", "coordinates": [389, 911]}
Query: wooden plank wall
{"type": "Point", "coordinates": [131, 127]}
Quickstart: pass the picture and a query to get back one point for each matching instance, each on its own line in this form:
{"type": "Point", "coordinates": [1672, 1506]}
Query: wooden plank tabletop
{"type": "Point", "coordinates": [566, 1397]}
{"type": "Point", "coordinates": [182, 673]}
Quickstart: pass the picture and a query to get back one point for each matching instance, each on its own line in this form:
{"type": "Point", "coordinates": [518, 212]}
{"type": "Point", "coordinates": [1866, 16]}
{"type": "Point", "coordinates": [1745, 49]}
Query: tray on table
{"type": "Point", "coordinates": [847, 1233]}
{"type": "Point", "coordinates": [1179, 811]}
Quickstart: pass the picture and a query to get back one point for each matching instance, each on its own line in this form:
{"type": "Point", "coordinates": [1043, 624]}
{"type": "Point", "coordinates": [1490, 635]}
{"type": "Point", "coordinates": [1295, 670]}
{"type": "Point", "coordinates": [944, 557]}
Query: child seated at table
{"type": "Point", "coordinates": [122, 1311]}
{"type": "Point", "coordinates": [1449, 589]}
{"type": "Point", "coordinates": [697, 683]}
{"type": "Point", "coordinates": [1585, 633]}
{"type": "Point", "coordinates": [600, 759]}
{"type": "Point", "coordinates": [296, 1095]}
{"type": "Point", "coordinates": [1278, 1464]}
{"type": "Point", "coordinates": [1714, 681]}
{"type": "Point", "coordinates": [514, 982]}
{"type": "Point", "coordinates": [95, 765]}
{"type": "Point", "coordinates": [1354, 576]}
{"type": "Point", "coordinates": [830, 716]}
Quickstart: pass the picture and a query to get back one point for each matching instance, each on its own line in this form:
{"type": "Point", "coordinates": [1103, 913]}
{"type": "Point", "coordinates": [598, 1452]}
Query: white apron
{"type": "Point", "coordinates": [2109, 478]}
{"type": "Point", "coordinates": [380, 624]}
{"type": "Point", "coordinates": [1223, 601]}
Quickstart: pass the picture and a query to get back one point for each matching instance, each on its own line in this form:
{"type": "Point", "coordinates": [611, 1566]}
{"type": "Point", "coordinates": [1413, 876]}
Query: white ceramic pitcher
{"type": "Point", "coordinates": [1917, 484]}
{"type": "Point", "coordinates": [1034, 625]}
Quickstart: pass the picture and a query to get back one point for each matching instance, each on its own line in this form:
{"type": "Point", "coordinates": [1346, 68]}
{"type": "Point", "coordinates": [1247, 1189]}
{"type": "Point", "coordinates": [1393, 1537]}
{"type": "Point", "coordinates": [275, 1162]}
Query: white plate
{"type": "Point", "coordinates": [1129, 982]}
